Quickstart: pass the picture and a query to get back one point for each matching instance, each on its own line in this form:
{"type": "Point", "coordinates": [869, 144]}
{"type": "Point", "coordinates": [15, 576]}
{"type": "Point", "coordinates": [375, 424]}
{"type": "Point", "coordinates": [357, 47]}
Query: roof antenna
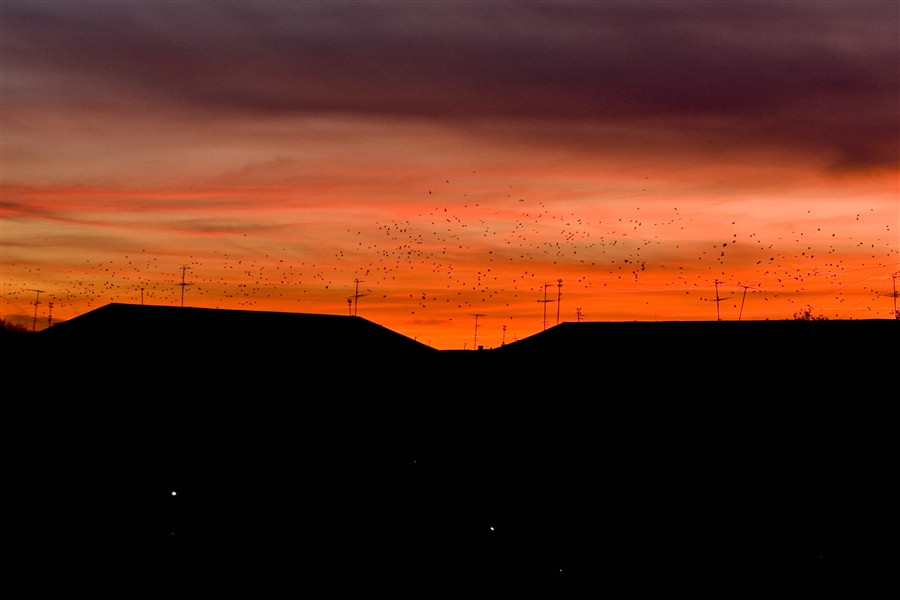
{"type": "Point", "coordinates": [558, 298]}
{"type": "Point", "coordinates": [894, 295]}
{"type": "Point", "coordinates": [475, 341]}
{"type": "Point", "coordinates": [184, 268]}
{"type": "Point", "coordinates": [545, 301]}
{"type": "Point", "coordinates": [743, 297]}
{"type": "Point", "coordinates": [36, 302]}
{"type": "Point", "coordinates": [717, 300]}
{"type": "Point", "coordinates": [356, 296]}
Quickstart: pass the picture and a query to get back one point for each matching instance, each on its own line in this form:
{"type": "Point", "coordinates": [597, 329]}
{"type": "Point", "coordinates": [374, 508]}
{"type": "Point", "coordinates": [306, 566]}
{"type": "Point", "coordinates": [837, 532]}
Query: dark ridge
{"type": "Point", "coordinates": [328, 448]}
{"type": "Point", "coordinates": [574, 339]}
{"type": "Point", "coordinates": [228, 330]}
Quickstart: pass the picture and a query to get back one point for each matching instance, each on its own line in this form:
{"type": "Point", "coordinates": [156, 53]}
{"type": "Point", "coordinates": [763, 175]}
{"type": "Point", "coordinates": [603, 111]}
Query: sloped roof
{"type": "Point", "coordinates": [250, 330]}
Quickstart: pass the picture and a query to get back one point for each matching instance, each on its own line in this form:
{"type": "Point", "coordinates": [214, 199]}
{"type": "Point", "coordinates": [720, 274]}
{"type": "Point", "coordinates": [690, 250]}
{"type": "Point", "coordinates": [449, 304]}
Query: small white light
{"type": "Point", "coordinates": [173, 493]}
{"type": "Point", "coordinates": [492, 528]}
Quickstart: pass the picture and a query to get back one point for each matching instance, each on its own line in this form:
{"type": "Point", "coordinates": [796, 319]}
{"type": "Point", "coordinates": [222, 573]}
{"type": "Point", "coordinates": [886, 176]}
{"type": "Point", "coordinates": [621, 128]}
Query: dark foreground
{"type": "Point", "coordinates": [309, 449]}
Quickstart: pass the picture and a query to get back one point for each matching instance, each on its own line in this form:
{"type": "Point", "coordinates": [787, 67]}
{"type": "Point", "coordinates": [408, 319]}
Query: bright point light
{"type": "Point", "coordinates": [173, 493]}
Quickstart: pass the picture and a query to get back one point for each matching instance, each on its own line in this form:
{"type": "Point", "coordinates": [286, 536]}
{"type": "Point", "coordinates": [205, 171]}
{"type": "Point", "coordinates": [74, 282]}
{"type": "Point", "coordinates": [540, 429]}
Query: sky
{"type": "Point", "coordinates": [630, 160]}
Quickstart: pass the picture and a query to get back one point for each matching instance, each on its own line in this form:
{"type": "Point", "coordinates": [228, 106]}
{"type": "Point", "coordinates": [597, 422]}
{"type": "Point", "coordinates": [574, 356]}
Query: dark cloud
{"type": "Point", "coordinates": [816, 76]}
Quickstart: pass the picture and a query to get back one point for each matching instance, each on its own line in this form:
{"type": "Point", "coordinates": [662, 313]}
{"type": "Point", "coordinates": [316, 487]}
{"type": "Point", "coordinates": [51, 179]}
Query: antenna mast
{"type": "Point", "coordinates": [743, 297]}
{"type": "Point", "coordinates": [545, 301]}
{"type": "Point", "coordinates": [184, 268]}
{"type": "Point", "coordinates": [36, 302]}
{"type": "Point", "coordinates": [503, 341]}
{"type": "Point", "coordinates": [717, 300]}
{"type": "Point", "coordinates": [894, 281]}
{"type": "Point", "coordinates": [893, 294]}
{"type": "Point", "coordinates": [475, 341]}
{"type": "Point", "coordinates": [558, 298]}
{"type": "Point", "coordinates": [356, 296]}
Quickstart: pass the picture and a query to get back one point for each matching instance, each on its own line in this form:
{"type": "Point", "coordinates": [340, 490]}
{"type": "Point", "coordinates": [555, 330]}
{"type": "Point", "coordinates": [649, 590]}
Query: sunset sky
{"type": "Point", "coordinates": [455, 157]}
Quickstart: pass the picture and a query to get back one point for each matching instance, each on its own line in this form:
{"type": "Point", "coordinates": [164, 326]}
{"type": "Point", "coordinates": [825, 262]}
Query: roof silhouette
{"type": "Point", "coordinates": [162, 334]}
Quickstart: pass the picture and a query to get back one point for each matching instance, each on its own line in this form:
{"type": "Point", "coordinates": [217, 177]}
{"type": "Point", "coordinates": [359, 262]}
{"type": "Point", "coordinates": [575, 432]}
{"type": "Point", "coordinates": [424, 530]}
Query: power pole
{"type": "Point", "coordinates": [558, 298]}
{"type": "Point", "coordinates": [503, 341]}
{"type": "Point", "coordinates": [475, 341]}
{"type": "Point", "coordinates": [578, 314]}
{"type": "Point", "coordinates": [36, 302]}
{"type": "Point", "coordinates": [183, 285]}
{"type": "Point", "coordinates": [50, 315]}
{"type": "Point", "coordinates": [350, 306]}
{"type": "Point", "coordinates": [545, 301]}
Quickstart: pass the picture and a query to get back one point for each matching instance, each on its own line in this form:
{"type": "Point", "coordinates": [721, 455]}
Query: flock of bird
{"type": "Point", "coordinates": [497, 254]}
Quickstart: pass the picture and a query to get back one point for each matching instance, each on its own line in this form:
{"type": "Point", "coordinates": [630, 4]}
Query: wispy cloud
{"type": "Point", "coordinates": [819, 77]}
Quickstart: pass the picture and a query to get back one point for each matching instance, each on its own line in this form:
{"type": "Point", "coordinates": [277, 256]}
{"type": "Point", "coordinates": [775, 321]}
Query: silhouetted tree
{"type": "Point", "coordinates": [805, 314]}
{"type": "Point", "coordinates": [12, 327]}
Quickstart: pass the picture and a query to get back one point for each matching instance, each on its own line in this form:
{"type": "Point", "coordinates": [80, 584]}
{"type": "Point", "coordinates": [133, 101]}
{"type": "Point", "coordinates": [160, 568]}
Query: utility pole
{"type": "Point", "coordinates": [475, 341]}
{"type": "Point", "coordinates": [184, 269]}
{"type": "Point", "coordinates": [50, 315]}
{"type": "Point", "coordinates": [545, 301]}
{"type": "Point", "coordinates": [36, 302]}
{"type": "Point", "coordinates": [558, 298]}
{"type": "Point", "coordinates": [350, 306]}
{"type": "Point", "coordinates": [503, 341]}
{"type": "Point", "coordinates": [578, 314]}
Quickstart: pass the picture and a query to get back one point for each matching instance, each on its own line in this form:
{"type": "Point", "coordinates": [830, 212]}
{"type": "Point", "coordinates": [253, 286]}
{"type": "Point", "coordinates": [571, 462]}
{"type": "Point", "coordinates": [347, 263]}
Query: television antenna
{"type": "Point", "coordinates": [475, 341]}
{"type": "Point", "coordinates": [717, 300]}
{"type": "Point", "coordinates": [894, 294]}
{"type": "Point", "coordinates": [184, 269]}
{"type": "Point", "coordinates": [545, 301]}
{"type": "Point", "coordinates": [744, 297]}
{"type": "Point", "coordinates": [558, 298]}
{"type": "Point", "coordinates": [356, 296]}
{"type": "Point", "coordinates": [36, 302]}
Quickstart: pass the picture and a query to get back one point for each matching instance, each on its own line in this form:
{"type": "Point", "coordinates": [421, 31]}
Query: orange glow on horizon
{"type": "Point", "coordinates": [428, 264]}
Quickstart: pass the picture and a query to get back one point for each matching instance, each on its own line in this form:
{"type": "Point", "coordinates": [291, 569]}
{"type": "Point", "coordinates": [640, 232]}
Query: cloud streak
{"type": "Point", "coordinates": [819, 77]}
